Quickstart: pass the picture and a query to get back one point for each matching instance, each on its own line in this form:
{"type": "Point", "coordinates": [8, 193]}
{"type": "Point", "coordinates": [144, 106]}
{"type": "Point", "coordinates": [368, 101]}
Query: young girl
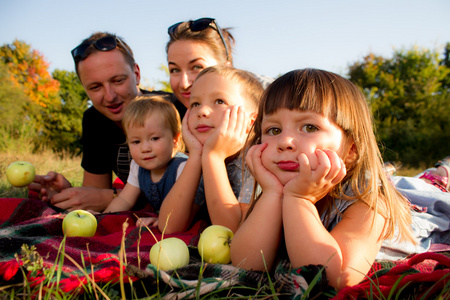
{"type": "Point", "coordinates": [153, 129]}
{"type": "Point", "coordinates": [324, 191]}
{"type": "Point", "coordinates": [222, 107]}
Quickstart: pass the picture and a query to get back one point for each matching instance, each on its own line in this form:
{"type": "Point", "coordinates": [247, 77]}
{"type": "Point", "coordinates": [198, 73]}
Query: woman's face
{"type": "Point", "coordinates": [186, 59]}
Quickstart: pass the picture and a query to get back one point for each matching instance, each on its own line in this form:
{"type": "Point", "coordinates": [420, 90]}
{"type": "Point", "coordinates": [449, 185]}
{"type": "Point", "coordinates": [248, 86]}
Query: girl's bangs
{"type": "Point", "coordinates": [300, 91]}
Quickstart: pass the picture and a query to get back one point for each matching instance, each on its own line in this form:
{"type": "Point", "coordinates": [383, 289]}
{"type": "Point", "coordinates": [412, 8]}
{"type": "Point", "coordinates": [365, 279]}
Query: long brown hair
{"type": "Point", "coordinates": [338, 99]}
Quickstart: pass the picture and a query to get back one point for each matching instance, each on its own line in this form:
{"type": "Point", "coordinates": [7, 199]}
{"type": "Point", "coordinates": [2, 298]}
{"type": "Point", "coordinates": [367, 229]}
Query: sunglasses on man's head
{"type": "Point", "coordinates": [200, 25]}
{"type": "Point", "coordinates": [106, 43]}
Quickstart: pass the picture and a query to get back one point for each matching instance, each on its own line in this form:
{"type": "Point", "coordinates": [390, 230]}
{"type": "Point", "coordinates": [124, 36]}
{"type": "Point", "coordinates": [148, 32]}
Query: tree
{"type": "Point", "coordinates": [410, 103]}
{"type": "Point", "coordinates": [166, 84]}
{"type": "Point", "coordinates": [62, 128]}
{"type": "Point", "coordinates": [29, 70]}
{"type": "Point", "coordinates": [13, 100]}
{"type": "Point", "coordinates": [446, 62]}
{"type": "Point", "coordinates": [54, 105]}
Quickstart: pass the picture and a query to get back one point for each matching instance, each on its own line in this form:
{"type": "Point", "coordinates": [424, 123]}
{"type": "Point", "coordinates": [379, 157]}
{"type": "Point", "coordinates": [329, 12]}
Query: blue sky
{"type": "Point", "coordinates": [272, 37]}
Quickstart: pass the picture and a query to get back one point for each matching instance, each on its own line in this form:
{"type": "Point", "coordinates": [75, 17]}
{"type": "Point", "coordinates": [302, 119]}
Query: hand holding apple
{"type": "Point", "coordinates": [79, 223]}
{"type": "Point", "coordinates": [168, 254]}
{"type": "Point", "coordinates": [214, 244]}
{"type": "Point", "coordinates": [20, 173]}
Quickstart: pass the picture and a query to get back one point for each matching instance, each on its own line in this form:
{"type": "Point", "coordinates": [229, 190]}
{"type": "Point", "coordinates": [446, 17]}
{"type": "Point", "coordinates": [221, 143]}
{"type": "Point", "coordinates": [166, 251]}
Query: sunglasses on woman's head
{"type": "Point", "coordinates": [106, 43]}
{"type": "Point", "coordinates": [200, 25]}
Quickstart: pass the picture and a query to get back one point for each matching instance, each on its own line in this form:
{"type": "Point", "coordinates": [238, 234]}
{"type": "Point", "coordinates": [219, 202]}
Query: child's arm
{"type": "Point", "coordinates": [227, 140]}
{"type": "Point", "coordinates": [179, 203]}
{"type": "Point", "coordinates": [349, 250]}
{"type": "Point", "coordinates": [130, 193]}
{"type": "Point", "coordinates": [125, 200]}
{"type": "Point", "coordinates": [260, 233]}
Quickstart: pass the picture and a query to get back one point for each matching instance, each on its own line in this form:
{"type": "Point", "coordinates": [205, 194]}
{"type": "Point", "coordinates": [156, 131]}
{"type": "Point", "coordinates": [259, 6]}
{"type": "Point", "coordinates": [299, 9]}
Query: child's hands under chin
{"type": "Point", "coordinates": [229, 137]}
{"type": "Point", "coordinates": [266, 179]}
{"type": "Point", "coordinates": [314, 184]}
{"type": "Point", "coordinates": [192, 144]}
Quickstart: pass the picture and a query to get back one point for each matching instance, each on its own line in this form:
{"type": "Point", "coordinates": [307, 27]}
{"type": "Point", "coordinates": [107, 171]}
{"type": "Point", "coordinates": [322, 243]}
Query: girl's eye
{"type": "Point", "coordinates": [195, 104]}
{"type": "Point", "coordinates": [174, 70]}
{"type": "Point", "coordinates": [220, 101]}
{"type": "Point", "coordinates": [273, 131]}
{"type": "Point", "coordinates": [135, 142]}
{"type": "Point", "coordinates": [309, 128]}
{"type": "Point", "coordinates": [155, 138]}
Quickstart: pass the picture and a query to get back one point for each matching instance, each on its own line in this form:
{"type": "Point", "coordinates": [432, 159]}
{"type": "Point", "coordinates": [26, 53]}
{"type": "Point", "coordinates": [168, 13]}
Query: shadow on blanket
{"type": "Point", "coordinates": [33, 222]}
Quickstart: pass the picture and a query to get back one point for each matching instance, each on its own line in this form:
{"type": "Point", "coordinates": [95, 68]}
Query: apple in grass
{"type": "Point", "coordinates": [20, 173]}
{"type": "Point", "coordinates": [214, 244]}
{"type": "Point", "coordinates": [79, 223]}
{"type": "Point", "coordinates": [169, 254]}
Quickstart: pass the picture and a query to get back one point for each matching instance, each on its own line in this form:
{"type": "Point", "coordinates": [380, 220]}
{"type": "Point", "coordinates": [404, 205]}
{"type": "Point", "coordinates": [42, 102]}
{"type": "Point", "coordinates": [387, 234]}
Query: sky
{"type": "Point", "coordinates": [272, 37]}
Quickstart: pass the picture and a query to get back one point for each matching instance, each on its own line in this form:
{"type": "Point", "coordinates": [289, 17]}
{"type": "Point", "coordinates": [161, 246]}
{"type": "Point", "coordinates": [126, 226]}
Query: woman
{"type": "Point", "coordinates": [194, 46]}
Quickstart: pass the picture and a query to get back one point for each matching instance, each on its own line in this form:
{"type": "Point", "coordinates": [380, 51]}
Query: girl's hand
{"type": "Point", "coordinates": [147, 222]}
{"type": "Point", "coordinates": [229, 138]}
{"type": "Point", "coordinates": [314, 184]}
{"type": "Point", "coordinates": [192, 144]}
{"type": "Point", "coordinates": [266, 179]}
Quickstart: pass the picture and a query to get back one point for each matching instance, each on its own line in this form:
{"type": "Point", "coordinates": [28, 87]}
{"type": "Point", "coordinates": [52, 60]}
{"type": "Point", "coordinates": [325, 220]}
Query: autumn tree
{"type": "Point", "coordinates": [52, 103]}
{"type": "Point", "coordinates": [29, 70]}
{"type": "Point", "coordinates": [13, 100]}
{"type": "Point", "coordinates": [63, 122]}
{"type": "Point", "coordinates": [17, 129]}
{"type": "Point", "coordinates": [409, 101]}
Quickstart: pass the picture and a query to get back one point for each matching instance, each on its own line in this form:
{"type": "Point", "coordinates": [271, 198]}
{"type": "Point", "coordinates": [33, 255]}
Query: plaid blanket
{"type": "Point", "coordinates": [34, 223]}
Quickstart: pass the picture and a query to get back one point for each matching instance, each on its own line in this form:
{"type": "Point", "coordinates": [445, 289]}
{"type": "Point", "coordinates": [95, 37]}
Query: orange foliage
{"type": "Point", "coordinates": [29, 71]}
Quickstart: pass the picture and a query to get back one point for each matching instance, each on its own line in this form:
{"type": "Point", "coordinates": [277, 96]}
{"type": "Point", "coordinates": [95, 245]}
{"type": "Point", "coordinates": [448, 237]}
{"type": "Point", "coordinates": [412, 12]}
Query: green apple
{"type": "Point", "coordinates": [214, 244]}
{"type": "Point", "coordinates": [20, 173]}
{"type": "Point", "coordinates": [79, 223]}
{"type": "Point", "coordinates": [169, 254]}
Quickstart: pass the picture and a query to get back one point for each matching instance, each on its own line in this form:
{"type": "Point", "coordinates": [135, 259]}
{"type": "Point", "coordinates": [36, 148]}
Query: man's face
{"type": "Point", "coordinates": [109, 81]}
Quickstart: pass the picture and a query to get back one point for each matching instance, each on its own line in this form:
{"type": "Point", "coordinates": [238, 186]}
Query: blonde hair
{"type": "Point", "coordinates": [249, 86]}
{"type": "Point", "coordinates": [143, 106]}
{"type": "Point", "coordinates": [338, 99]}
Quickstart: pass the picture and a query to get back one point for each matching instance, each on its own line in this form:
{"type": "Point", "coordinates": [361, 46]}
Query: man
{"type": "Point", "coordinates": [106, 68]}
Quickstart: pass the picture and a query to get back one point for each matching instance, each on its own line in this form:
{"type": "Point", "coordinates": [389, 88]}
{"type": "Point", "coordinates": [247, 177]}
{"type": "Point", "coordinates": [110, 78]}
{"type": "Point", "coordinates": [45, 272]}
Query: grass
{"type": "Point", "coordinates": [45, 161]}
{"type": "Point", "coordinates": [32, 263]}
